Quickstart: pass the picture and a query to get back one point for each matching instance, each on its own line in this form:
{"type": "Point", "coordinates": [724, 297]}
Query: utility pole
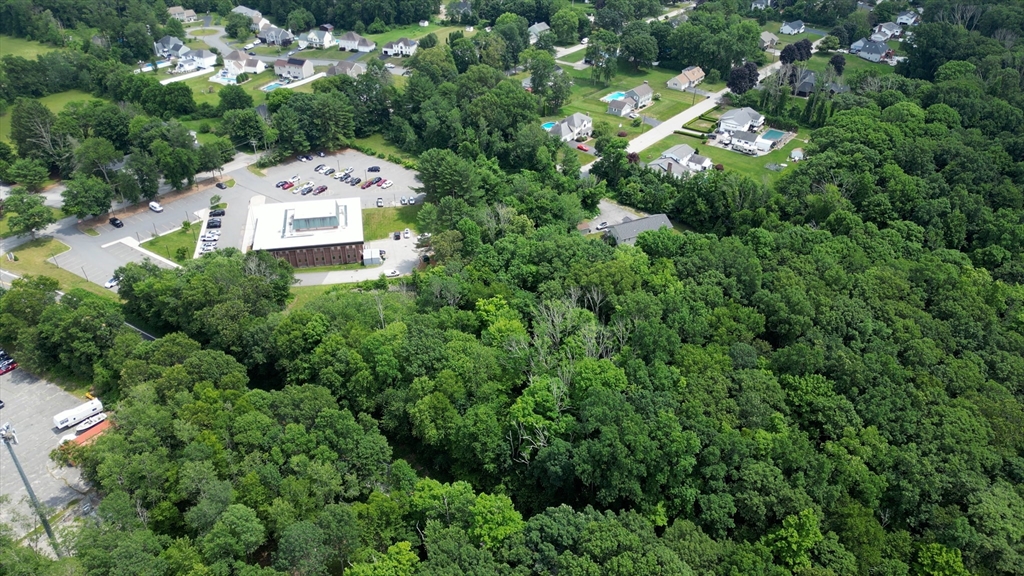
{"type": "Point", "coordinates": [9, 438]}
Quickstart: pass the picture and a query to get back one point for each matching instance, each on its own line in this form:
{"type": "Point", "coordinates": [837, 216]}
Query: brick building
{"type": "Point", "coordinates": [311, 233]}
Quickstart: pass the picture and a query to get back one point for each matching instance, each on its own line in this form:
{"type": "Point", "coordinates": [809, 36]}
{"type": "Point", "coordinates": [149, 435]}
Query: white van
{"type": "Point", "coordinates": [257, 42]}
{"type": "Point", "coordinates": [156, 207]}
{"type": "Point", "coordinates": [248, 46]}
{"type": "Point", "coordinates": [77, 414]}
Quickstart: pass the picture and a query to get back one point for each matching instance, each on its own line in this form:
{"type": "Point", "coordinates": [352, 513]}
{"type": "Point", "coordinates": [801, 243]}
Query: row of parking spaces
{"type": "Point", "coordinates": [98, 266]}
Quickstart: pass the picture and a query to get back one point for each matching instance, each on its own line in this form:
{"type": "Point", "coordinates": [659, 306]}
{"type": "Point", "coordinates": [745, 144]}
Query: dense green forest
{"type": "Point", "coordinates": [821, 376]}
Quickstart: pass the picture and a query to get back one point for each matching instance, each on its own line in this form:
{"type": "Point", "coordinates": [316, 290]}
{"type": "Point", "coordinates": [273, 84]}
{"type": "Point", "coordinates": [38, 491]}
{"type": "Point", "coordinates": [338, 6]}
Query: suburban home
{"type": "Point", "coordinates": [768, 40]}
{"type": "Point", "coordinates": [680, 158]}
{"type": "Point", "coordinates": [745, 142]}
{"type": "Point", "coordinates": [169, 46]}
{"type": "Point", "coordinates": [627, 232]}
{"type": "Point", "coordinates": [791, 28]}
{"type": "Point", "coordinates": [200, 58]}
{"type": "Point", "coordinates": [347, 68]}
{"type": "Point", "coordinates": [837, 88]}
{"type": "Point", "coordinates": [620, 108]}
{"type": "Point", "coordinates": [319, 38]}
{"type": "Point", "coordinates": [238, 62]}
{"type": "Point", "coordinates": [873, 51]}
{"type": "Point", "coordinates": [889, 30]}
{"type": "Point", "coordinates": [355, 43]}
{"type": "Point", "coordinates": [258, 21]}
{"type": "Point", "coordinates": [641, 95]}
{"type": "Point", "coordinates": [760, 4]}
{"type": "Point", "coordinates": [400, 47]}
{"type": "Point", "coordinates": [457, 11]}
{"type": "Point", "coordinates": [669, 166]}
{"type": "Point", "coordinates": [182, 15]}
{"type": "Point", "coordinates": [908, 18]}
{"type": "Point", "coordinates": [689, 78]}
{"type": "Point", "coordinates": [740, 120]}
{"type": "Point", "coordinates": [680, 153]}
{"type": "Point", "coordinates": [294, 68]}
{"type": "Point", "coordinates": [858, 45]}
{"type": "Point", "coordinates": [797, 154]}
{"type": "Point", "coordinates": [274, 36]}
{"type": "Point", "coordinates": [804, 85]}
{"type": "Point", "coordinates": [573, 126]}
{"type": "Point", "coordinates": [536, 30]}
{"type": "Point", "coordinates": [698, 163]}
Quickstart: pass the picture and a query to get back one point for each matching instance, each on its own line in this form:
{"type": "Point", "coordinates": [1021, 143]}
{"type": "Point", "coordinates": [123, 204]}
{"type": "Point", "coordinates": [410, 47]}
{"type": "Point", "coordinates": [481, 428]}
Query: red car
{"type": "Point", "coordinates": [319, 190]}
{"type": "Point", "coordinates": [287, 185]}
{"type": "Point", "coordinates": [582, 147]}
{"type": "Point", "coordinates": [5, 368]}
{"type": "Point", "coordinates": [367, 184]}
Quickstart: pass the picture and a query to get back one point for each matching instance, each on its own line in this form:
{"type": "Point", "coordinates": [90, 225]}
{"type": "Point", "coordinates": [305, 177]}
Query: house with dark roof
{"type": "Point", "coordinates": [294, 68]}
{"type": "Point", "coordinates": [353, 42]}
{"type": "Point", "coordinates": [627, 232]}
{"type": "Point", "coordinates": [804, 84]}
{"type": "Point", "coordinates": [400, 47]}
{"type": "Point", "coordinates": [460, 11]}
{"type": "Point", "coordinates": [791, 28]}
{"type": "Point", "coordinates": [346, 68]}
{"type": "Point", "coordinates": [169, 46]}
{"type": "Point", "coordinates": [874, 51]}
{"type": "Point", "coordinates": [274, 36]}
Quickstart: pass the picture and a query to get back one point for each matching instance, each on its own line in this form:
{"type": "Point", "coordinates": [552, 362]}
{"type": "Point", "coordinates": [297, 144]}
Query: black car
{"type": "Point", "coordinates": [398, 235]}
{"type": "Point", "coordinates": [377, 179]}
{"type": "Point", "coordinates": [2, 404]}
{"type": "Point", "coordinates": [355, 181]}
{"type": "Point", "coordinates": [217, 212]}
{"type": "Point", "coordinates": [281, 183]}
{"type": "Point", "coordinates": [373, 169]}
{"type": "Point", "coordinates": [222, 185]}
{"type": "Point", "coordinates": [321, 154]}
{"type": "Point", "coordinates": [116, 223]}
{"type": "Point", "coordinates": [344, 178]}
{"type": "Point", "coordinates": [213, 224]}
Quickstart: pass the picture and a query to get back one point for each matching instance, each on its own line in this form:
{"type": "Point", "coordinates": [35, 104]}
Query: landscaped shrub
{"type": "Point", "coordinates": [204, 128]}
{"type": "Point", "coordinates": [623, 134]}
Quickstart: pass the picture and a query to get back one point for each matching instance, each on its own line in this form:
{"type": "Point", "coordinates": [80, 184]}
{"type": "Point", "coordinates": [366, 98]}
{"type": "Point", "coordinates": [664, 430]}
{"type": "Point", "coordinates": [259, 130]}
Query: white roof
{"type": "Point", "coordinates": [290, 225]}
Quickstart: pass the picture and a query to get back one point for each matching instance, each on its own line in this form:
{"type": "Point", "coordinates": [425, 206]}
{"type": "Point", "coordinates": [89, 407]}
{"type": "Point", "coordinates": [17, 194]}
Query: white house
{"type": "Point", "coordinates": [681, 159]}
{"type": "Point", "coordinates": [199, 58]}
{"type": "Point", "coordinates": [182, 15]}
{"type": "Point", "coordinates": [887, 30]}
{"type": "Point", "coordinates": [642, 95]}
{"type": "Point", "coordinates": [698, 163]}
{"type": "Point", "coordinates": [689, 78]}
{"type": "Point", "coordinates": [274, 36]}
{"type": "Point", "coordinates": [621, 107]}
{"type": "Point", "coordinates": [347, 68]}
{"type": "Point", "coordinates": [169, 46]}
{"type": "Point", "coordinates": [319, 39]}
{"type": "Point", "coordinates": [400, 47]}
{"type": "Point", "coordinates": [791, 28]}
{"type": "Point", "coordinates": [424, 23]}
{"type": "Point", "coordinates": [353, 42]}
{"type": "Point", "coordinates": [908, 18]}
{"type": "Point", "coordinates": [237, 62]}
{"type": "Point", "coordinates": [294, 68]}
{"type": "Point", "coordinates": [760, 4]}
{"type": "Point", "coordinates": [874, 51]}
{"type": "Point", "coordinates": [572, 127]}
{"type": "Point", "coordinates": [745, 142]}
{"type": "Point", "coordinates": [536, 30]}
{"type": "Point", "coordinates": [740, 120]}
{"type": "Point", "coordinates": [258, 21]}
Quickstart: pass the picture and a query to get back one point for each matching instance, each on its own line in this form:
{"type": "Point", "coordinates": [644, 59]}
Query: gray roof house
{"type": "Point", "coordinates": [740, 120]}
{"type": "Point", "coordinates": [621, 107]}
{"type": "Point", "coordinates": [794, 27]}
{"type": "Point", "coordinates": [573, 126]}
{"type": "Point", "coordinates": [627, 232]}
{"type": "Point", "coordinates": [258, 21]}
{"type": "Point", "coordinates": [768, 40]}
{"type": "Point", "coordinates": [858, 45]}
{"type": "Point", "coordinates": [642, 94]}
{"type": "Point", "coordinates": [669, 166]}
{"type": "Point", "coordinates": [908, 18]}
{"type": "Point", "coordinates": [347, 68]}
{"type": "Point", "coordinates": [805, 83]}
{"type": "Point", "coordinates": [355, 43]}
{"type": "Point", "coordinates": [170, 46]}
{"type": "Point", "coordinates": [536, 30]}
{"type": "Point", "coordinates": [274, 36]}
{"type": "Point", "coordinates": [679, 153]}
{"type": "Point", "coordinates": [873, 51]}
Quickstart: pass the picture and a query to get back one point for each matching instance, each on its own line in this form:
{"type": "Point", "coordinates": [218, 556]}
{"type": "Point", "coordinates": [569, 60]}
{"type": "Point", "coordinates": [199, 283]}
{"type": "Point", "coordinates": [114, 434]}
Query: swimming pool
{"type": "Point", "coordinates": [547, 125]}
{"type": "Point", "coordinates": [614, 96]}
{"type": "Point", "coordinates": [272, 86]}
{"type": "Point", "coordinates": [774, 135]}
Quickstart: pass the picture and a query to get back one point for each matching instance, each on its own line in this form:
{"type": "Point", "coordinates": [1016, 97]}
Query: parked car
{"type": "Point", "coordinates": [222, 185]}
{"type": "Point", "coordinates": [398, 235]}
{"type": "Point", "coordinates": [321, 154]}
{"type": "Point", "coordinates": [412, 200]}
{"type": "Point", "coordinates": [367, 184]}
{"type": "Point", "coordinates": [403, 201]}
{"type": "Point", "coordinates": [392, 273]}
{"type": "Point", "coordinates": [389, 65]}
{"type": "Point", "coordinates": [320, 168]}
{"type": "Point", "coordinates": [406, 233]}
{"type": "Point", "coordinates": [387, 184]}
{"type": "Point", "coordinates": [156, 207]}
{"type": "Point", "coordinates": [378, 180]}
{"type": "Point", "coordinates": [344, 177]}
{"type": "Point", "coordinates": [583, 147]}
{"type": "Point", "coordinates": [217, 212]}
{"type": "Point", "coordinates": [380, 202]}
{"type": "Point", "coordinates": [319, 190]}
{"type": "Point", "coordinates": [355, 181]}
{"type": "Point", "coordinates": [294, 179]}
{"type": "Point", "coordinates": [383, 254]}
{"type": "Point", "coordinates": [329, 171]}
{"type": "Point", "coordinates": [213, 224]}
{"type": "Point", "coordinates": [302, 158]}
{"type": "Point", "coordinates": [4, 369]}
{"type": "Point", "coordinates": [601, 226]}
{"type": "Point", "coordinates": [116, 223]}
{"type": "Point", "coordinates": [306, 190]}
{"type": "Point", "coordinates": [281, 183]}
{"type": "Point", "coordinates": [287, 185]}
{"type": "Point", "coordinates": [373, 169]}
{"type": "Point", "coordinates": [112, 283]}
{"type": "Point", "coordinates": [251, 53]}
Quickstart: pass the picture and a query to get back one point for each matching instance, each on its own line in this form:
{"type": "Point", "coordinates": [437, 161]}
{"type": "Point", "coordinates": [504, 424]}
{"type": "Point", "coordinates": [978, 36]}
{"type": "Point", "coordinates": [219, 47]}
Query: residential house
{"type": "Point", "coordinates": [237, 62]}
{"type": "Point", "coordinates": [669, 166]}
{"type": "Point", "coordinates": [680, 153]}
{"type": "Point", "coordinates": [627, 232]}
{"type": "Point", "coordinates": [258, 21]}
{"type": "Point", "coordinates": [837, 88]}
{"type": "Point", "coordinates": [294, 68]}
{"type": "Point", "coordinates": [264, 112]}
{"type": "Point", "coordinates": [858, 45]}
{"type": "Point", "coordinates": [873, 51]}
{"type": "Point", "coordinates": [745, 142]}
{"type": "Point", "coordinates": [791, 28]}
{"type": "Point", "coordinates": [347, 68]}
{"type": "Point", "coordinates": [689, 78]}
{"type": "Point", "coordinates": [804, 85]}
{"type": "Point", "coordinates": [319, 39]}
{"type": "Point", "coordinates": [887, 30]}
{"type": "Point", "coordinates": [170, 47]}
{"type": "Point", "coordinates": [182, 15]}
{"type": "Point", "coordinates": [201, 58]}
{"type": "Point", "coordinates": [740, 120]}
{"type": "Point", "coordinates": [797, 154]}
{"type": "Point", "coordinates": [768, 40]}
{"type": "Point", "coordinates": [642, 95]}
{"type": "Point", "coordinates": [274, 36]}
{"type": "Point", "coordinates": [679, 159]}
{"type": "Point", "coordinates": [460, 11]}
{"type": "Point", "coordinates": [355, 43]}
{"type": "Point", "coordinates": [536, 30]}
{"type": "Point", "coordinates": [621, 107]}
{"type": "Point", "coordinates": [908, 18]}
{"type": "Point", "coordinates": [760, 4]}
{"type": "Point", "coordinates": [400, 47]}
{"type": "Point", "coordinates": [573, 126]}
{"type": "Point", "coordinates": [698, 163]}
{"type": "Point", "coordinates": [424, 23]}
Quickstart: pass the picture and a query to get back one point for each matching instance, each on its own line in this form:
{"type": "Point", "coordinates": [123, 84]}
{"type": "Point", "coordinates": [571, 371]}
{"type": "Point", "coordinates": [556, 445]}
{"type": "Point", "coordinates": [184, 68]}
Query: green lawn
{"type": "Point", "coordinates": [54, 102]}
{"type": "Point", "coordinates": [208, 137]}
{"type": "Point", "coordinates": [168, 244]}
{"type": "Point", "coordinates": [205, 91]}
{"type": "Point", "coordinates": [854, 63]}
{"type": "Point", "coordinates": [380, 223]}
{"type": "Point", "coordinates": [202, 32]}
{"type": "Point", "coordinates": [378, 143]}
{"type": "Point", "coordinates": [302, 295]}
{"type": "Point", "coordinates": [753, 166]}
{"type": "Point", "coordinates": [32, 259]}
{"type": "Point", "coordinates": [574, 57]}
{"type": "Point", "coordinates": [415, 32]}
{"type": "Point", "coordinates": [784, 39]}
{"type": "Point", "coordinates": [21, 47]}
{"type": "Point", "coordinates": [197, 44]}
{"type": "Point", "coordinates": [5, 231]}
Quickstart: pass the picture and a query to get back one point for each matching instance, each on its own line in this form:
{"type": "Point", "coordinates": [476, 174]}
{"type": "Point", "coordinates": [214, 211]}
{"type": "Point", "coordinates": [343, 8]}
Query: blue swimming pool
{"type": "Point", "coordinates": [271, 87]}
{"type": "Point", "coordinates": [774, 135]}
{"type": "Point", "coordinates": [547, 125]}
{"type": "Point", "coordinates": [614, 96]}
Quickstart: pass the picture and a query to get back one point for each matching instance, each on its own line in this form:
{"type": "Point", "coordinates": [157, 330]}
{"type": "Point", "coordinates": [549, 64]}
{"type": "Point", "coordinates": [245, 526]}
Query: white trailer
{"type": "Point", "coordinates": [75, 415]}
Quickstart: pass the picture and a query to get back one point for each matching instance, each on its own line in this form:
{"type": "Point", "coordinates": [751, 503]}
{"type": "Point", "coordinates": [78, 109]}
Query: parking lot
{"type": "Point", "coordinates": [31, 404]}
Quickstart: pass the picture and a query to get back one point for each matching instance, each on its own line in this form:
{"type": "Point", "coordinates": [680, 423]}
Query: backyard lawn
{"type": "Point", "coordinates": [205, 91]}
{"type": "Point", "coordinates": [854, 63]}
{"type": "Point", "coordinates": [54, 102]}
{"type": "Point", "coordinates": [379, 223]}
{"type": "Point", "coordinates": [21, 47]}
{"type": "Point", "coordinates": [168, 244]}
{"type": "Point", "coordinates": [33, 259]}
{"type": "Point", "coordinates": [784, 39]}
{"type": "Point", "coordinates": [753, 166]}
{"type": "Point", "coordinates": [379, 144]}
{"type": "Point", "coordinates": [574, 57]}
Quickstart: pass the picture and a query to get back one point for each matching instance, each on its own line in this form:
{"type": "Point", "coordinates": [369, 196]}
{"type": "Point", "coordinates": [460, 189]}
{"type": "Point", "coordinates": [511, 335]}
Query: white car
{"type": "Point", "coordinates": [112, 283]}
{"type": "Point", "coordinates": [601, 226]}
{"type": "Point", "coordinates": [392, 273]}
{"type": "Point", "coordinates": [294, 179]}
{"type": "Point", "coordinates": [156, 207]}
{"type": "Point", "coordinates": [406, 233]}
{"type": "Point", "coordinates": [387, 184]}
{"type": "Point", "coordinates": [389, 65]}
{"type": "Point", "coordinates": [412, 200]}
{"type": "Point", "coordinates": [349, 170]}
{"type": "Point", "coordinates": [585, 40]}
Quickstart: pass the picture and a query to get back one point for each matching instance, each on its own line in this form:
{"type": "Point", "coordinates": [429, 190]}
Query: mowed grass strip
{"type": "Point", "coordinates": [32, 259]}
{"type": "Point", "coordinates": [168, 244]}
{"type": "Point", "coordinates": [380, 223]}
{"type": "Point", "coordinates": [9, 45]}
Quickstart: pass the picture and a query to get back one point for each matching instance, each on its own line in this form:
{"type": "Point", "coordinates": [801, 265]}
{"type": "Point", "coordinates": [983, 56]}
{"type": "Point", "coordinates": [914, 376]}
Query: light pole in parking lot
{"type": "Point", "coordinates": [9, 438]}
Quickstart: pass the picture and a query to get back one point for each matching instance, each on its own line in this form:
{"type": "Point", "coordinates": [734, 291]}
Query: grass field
{"type": "Point", "coordinates": [197, 44]}
{"type": "Point", "coordinates": [205, 91]}
{"type": "Point", "coordinates": [21, 47]}
{"type": "Point", "coordinates": [5, 231]}
{"type": "Point", "coordinates": [854, 63]}
{"type": "Point", "coordinates": [753, 166]}
{"type": "Point", "coordinates": [302, 295]}
{"type": "Point", "coordinates": [32, 259]}
{"type": "Point", "coordinates": [168, 244]}
{"type": "Point", "coordinates": [574, 57]}
{"type": "Point", "coordinates": [54, 102]}
{"type": "Point", "coordinates": [379, 223]}
{"type": "Point", "coordinates": [202, 32]}
{"type": "Point", "coordinates": [785, 39]}
{"type": "Point", "coordinates": [378, 143]}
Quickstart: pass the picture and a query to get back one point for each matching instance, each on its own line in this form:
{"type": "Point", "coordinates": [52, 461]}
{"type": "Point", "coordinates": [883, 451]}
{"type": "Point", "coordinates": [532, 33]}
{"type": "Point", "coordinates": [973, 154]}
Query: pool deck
{"type": "Point", "coordinates": [613, 96]}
